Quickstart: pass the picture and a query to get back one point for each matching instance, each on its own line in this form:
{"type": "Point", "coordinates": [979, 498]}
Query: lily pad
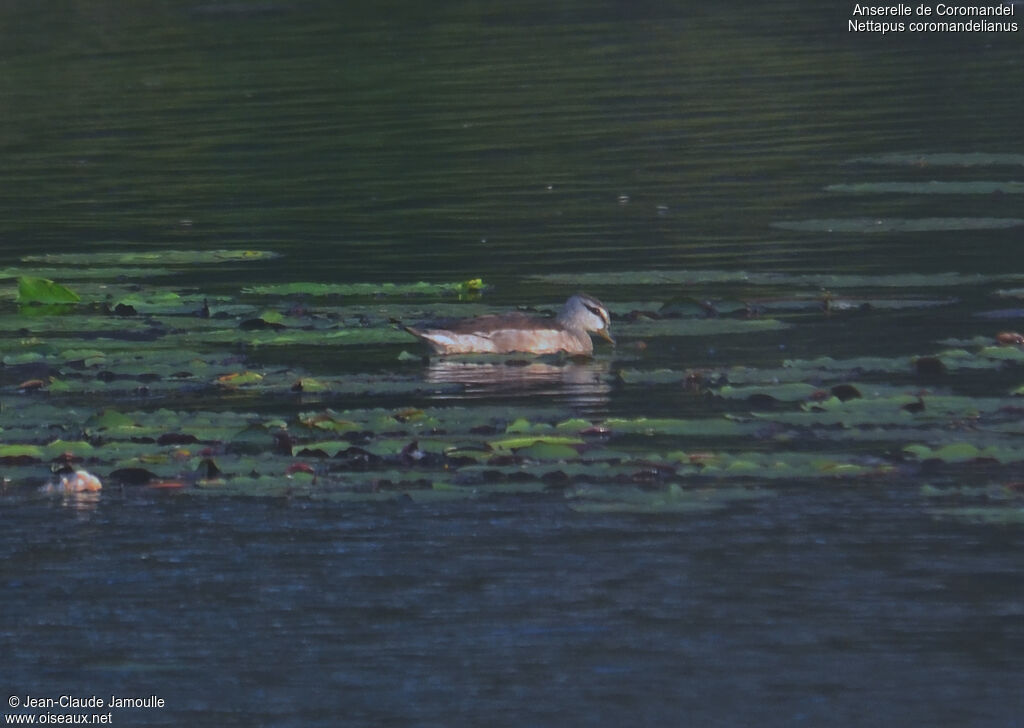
{"type": "Point", "coordinates": [962, 452]}
{"type": "Point", "coordinates": [944, 159]}
{"type": "Point", "coordinates": [461, 288]}
{"type": "Point", "coordinates": [327, 337]}
{"type": "Point", "coordinates": [656, 426]}
{"type": "Point", "coordinates": [21, 451]}
{"type": "Point", "coordinates": [516, 443]}
{"type": "Point", "coordinates": [792, 392]}
{"type": "Point", "coordinates": [983, 514]}
{"type": "Point", "coordinates": [43, 290]}
{"type": "Point", "coordinates": [154, 257]}
{"type": "Point", "coordinates": [548, 451]}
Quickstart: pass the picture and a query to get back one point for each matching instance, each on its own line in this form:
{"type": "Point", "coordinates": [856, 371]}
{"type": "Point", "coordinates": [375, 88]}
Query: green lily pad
{"type": "Point", "coordinates": [109, 419]}
{"type": "Point", "coordinates": [421, 288]}
{"type": "Point", "coordinates": [239, 379]}
{"type": "Point", "coordinates": [1002, 353]}
{"type": "Point", "coordinates": [860, 364]}
{"type": "Point", "coordinates": [548, 451]}
{"type": "Point", "coordinates": [960, 452]}
{"type": "Point", "coordinates": [156, 301]}
{"type": "Point", "coordinates": [329, 337]}
{"type": "Point", "coordinates": [998, 515]}
{"type": "Point", "coordinates": [522, 425]}
{"type": "Point", "coordinates": [329, 448]}
{"type": "Point", "coordinates": [944, 159]}
{"type": "Point", "coordinates": [76, 447]}
{"type": "Point", "coordinates": [88, 357]}
{"type": "Point", "coordinates": [577, 424]}
{"type": "Point", "coordinates": [791, 392]}
{"type": "Point", "coordinates": [156, 257]}
{"type": "Point", "coordinates": [73, 320]}
{"type": "Point", "coordinates": [516, 443]}
{"type": "Point", "coordinates": [328, 420]}
{"type": "Point", "coordinates": [28, 357]}
{"type": "Point", "coordinates": [22, 451]}
{"type": "Point", "coordinates": [43, 290]}
{"type": "Point", "coordinates": [714, 427]}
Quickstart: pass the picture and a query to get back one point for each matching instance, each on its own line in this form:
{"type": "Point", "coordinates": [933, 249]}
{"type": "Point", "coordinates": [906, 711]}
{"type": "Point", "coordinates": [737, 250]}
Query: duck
{"type": "Point", "coordinates": [568, 332]}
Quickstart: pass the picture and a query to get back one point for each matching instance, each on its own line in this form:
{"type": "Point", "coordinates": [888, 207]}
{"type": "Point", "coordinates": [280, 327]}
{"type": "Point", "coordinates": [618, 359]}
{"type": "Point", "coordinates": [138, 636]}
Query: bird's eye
{"type": "Point", "coordinates": [600, 313]}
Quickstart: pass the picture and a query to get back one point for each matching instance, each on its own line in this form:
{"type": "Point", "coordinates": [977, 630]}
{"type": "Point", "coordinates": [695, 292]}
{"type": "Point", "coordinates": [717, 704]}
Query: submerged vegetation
{"type": "Point", "coordinates": [153, 385]}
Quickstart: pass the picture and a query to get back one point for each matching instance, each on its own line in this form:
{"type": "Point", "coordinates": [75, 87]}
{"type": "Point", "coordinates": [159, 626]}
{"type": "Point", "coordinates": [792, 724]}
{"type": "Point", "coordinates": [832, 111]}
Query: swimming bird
{"type": "Point", "coordinates": [505, 333]}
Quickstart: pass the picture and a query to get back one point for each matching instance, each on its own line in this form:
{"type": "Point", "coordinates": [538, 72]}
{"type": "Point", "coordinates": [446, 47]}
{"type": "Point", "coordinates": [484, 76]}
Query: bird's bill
{"type": "Point", "coordinates": [603, 333]}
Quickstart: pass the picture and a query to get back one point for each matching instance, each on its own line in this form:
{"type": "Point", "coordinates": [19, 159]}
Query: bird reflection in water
{"type": "Point", "coordinates": [84, 502]}
{"type": "Point", "coordinates": [583, 384]}
{"type": "Point", "coordinates": [79, 489]}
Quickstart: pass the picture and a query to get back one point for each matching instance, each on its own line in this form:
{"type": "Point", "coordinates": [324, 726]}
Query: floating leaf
{"type": "Point", "coordinates": [157, 302]}
{"type": "Point", "coordinates": [332, 337]}
{"type": "Point", "coordinates": [714, 427]}
{"type": "Point", "coordinates": [515, 443]}
{"type": "Point", "coordinates": [21, 451]}
{"type": "Point", "coordinates": [858, 364]}
{"type": "Point", "coordinates": [575, 424]}
{"type": "Point", "coordinates": [548, 451]}
{"type": "Point", "coordinates": [944, 159]}
{"type": "Point", "coordinates": [43, 290]}
{"type": "Point", "coordinates": [1002, 353]}
{"type": "Point", "coordinates": [328, 420]}
{"type": "Point", "coordinates": [310, 385]}
{"type": "Point", "coordinates": [29, 357]}
{"type": "Point", "coordinates": [982, 514]}
{"type": "Point", "coordinates": [792, 392]}
{"type": "Point", "coordinates": [239, 379]}
{"type": "Point", "coordinates": [61, 447]}
{"type": "Point", "coordinates": [960, 452]}
{"type": "Point", "coordinates": [156, 257]}
{"type": "Point", "coordinates": [366, 289]}
{"type": "Point", "coordinates": [522, 425]}
{"type": "Point", "coordinates": [324, 448]}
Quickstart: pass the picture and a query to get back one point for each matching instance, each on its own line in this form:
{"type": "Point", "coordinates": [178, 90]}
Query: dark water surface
{"type": "Point", "coordinates": [403, 142]}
